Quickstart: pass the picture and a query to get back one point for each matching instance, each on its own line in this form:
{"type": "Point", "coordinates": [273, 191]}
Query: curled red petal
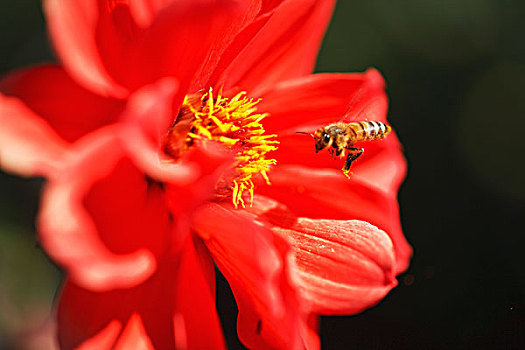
{"type": "Point", "coordinates": [144, 123]}
{"type": "Point", "coordinates": [345, 266]}
{"type": "Point", "coordinates": [68, 233]}
{"type": "Point", "coordinates": [210, 162]}
{"type": "Point", "coordinates": [150, 109]}
{"type": "Point", "coordinates": [147, 155]}
{"type": "Point", "coordinates": [28, 145]}
{"type": "Point", "coordinates": [72, 26]}
{"type": "Point", "coordinates": [255, 264]}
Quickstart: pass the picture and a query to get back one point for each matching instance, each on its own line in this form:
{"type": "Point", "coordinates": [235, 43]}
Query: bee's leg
{"type": "Point", "coordinates": [353, 154]}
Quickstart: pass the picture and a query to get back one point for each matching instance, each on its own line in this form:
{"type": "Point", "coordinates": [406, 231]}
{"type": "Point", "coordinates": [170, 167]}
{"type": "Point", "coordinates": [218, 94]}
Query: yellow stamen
{"type": "Point", "coordinates": [235, 123]}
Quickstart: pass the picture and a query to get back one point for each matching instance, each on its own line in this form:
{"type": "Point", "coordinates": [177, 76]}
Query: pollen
{"type": "Point", "coordinates": [235, 123]}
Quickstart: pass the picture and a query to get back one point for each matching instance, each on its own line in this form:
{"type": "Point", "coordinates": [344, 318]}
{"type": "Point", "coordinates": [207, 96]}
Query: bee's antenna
{"type": "Point", "coordinates": [305, 133]}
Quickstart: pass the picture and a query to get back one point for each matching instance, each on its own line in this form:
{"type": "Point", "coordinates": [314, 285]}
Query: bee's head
{"type": "Point", "coordinates": [322, 139]}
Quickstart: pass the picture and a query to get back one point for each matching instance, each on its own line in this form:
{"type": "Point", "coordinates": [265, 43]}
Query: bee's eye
{"type": "Point", "coordinates": [326, 138]}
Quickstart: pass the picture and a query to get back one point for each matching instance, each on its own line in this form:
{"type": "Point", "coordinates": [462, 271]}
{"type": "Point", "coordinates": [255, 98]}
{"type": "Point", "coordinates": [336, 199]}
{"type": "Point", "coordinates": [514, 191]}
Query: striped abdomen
{"type": "Point", "coordinates": [368, 131]}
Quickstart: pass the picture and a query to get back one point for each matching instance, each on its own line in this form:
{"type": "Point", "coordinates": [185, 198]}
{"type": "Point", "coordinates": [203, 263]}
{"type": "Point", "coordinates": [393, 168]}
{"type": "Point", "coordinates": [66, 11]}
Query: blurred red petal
{"type": "Point", "coordinates": [345, 266]}
{"type": "Point", "coordinates": [68, 232]}
{"type": "Point", "coordinates": [144, 315]}
{"type": "Point", "coordinates": [73, 29]}
{"type": "Point", "coordinates": [145, 120]}
{"type": "Point", "coordinates": [195, 298]}
{"type": "Point", "coordinates": [70, 110]}
{"type": "Point", "coordinates": [103, 339]}
{"type": "Point", "coordinates": [326, 194]}
{"type": "Point", "coordinates": [102, 194]}
{"type": "Point", "coordinates": [129, 211]}
{"type": "Point", "coordinates": [28, 145]}
{"type": "Point", "coordinates": [144, 11]}
{"type": "Point", "coordinates": [252, 259]}
{"type": "Point", "coordinates": [149, 109]}
{"type": "Point", "coordinates": [133, 336]}
{"type": "Point", "coordinates": [284, 47]}
{"type": "Point", "coordinates": [209, 162]}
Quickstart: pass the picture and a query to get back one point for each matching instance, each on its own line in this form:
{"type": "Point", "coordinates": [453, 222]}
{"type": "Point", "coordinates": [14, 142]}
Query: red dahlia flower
{"type": "Point", "coordinates": [168, 140]}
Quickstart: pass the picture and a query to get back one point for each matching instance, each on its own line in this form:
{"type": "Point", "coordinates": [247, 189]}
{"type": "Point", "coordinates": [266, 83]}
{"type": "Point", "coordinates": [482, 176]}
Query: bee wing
{"type": "Point", "coordinates": [366, 104]}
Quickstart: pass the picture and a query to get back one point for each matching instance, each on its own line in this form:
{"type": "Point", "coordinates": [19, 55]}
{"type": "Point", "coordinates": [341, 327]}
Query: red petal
{"type": "Point", "coordinates": [144, 11]}
{"type": "Point", "coordinates": [69, 109]}
{"type": "Point", "coordinates": [306, 103]}
{"type": "Point", "coordinates": [103, 339]}
{"type": "Point", "coordinates": [145, 121]}
{"type": "Point", "coordinates": [345, 266]}
{"type": "Point", "coordinates": [68, 233]}
{"type": "Point", "coordinates": [285, 47]}
{"type": "Point", "coordinates": [195, 299]}
{"type": "Point", "coordinates": [327, 194]}
{"type": "Point", "coordinates": [73, 27]}
{"type": "Point", "coordinates": [144, 315]}
{"type": "Point", "coordinates": [255, 264]}
{"type": "Point", "coordinates": [259, 329]}
{"type": "Point", "coordinates": [244, 15]}
{"type": "Point", "coordinates": [150, 109]}
{"type": "Point", "coordinates": [134, 336]}
{"type": "Point", "coordinates": [28, 145]}
{"type": "Point", "coordinates": [369, 103]}
{"type": "Point", "coordinates": [382, 164]}
{"type": "Point", "coordinates": [183, 37]}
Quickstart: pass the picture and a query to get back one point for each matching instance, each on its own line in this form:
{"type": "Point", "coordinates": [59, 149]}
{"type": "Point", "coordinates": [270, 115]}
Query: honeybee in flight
{"type": "Point", "coordinates": [340, 137]}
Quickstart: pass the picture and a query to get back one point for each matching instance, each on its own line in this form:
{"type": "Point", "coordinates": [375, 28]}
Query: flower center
{"type": "Point", "coordinates": [234, 123]}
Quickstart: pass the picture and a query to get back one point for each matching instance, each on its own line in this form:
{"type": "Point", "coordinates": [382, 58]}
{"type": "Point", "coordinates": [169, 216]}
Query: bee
{"type": "Point", "coordinates": [340, 137]}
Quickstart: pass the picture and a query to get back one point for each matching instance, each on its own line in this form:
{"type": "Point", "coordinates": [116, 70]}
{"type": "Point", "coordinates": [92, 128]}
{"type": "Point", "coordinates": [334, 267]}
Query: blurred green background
{"type": "Point", "coordinates": [455, 72]}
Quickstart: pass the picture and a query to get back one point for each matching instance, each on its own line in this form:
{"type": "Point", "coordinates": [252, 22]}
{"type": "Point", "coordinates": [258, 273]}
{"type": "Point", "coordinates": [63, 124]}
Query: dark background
{"type": "Point", "coordinates": [456, 80]}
